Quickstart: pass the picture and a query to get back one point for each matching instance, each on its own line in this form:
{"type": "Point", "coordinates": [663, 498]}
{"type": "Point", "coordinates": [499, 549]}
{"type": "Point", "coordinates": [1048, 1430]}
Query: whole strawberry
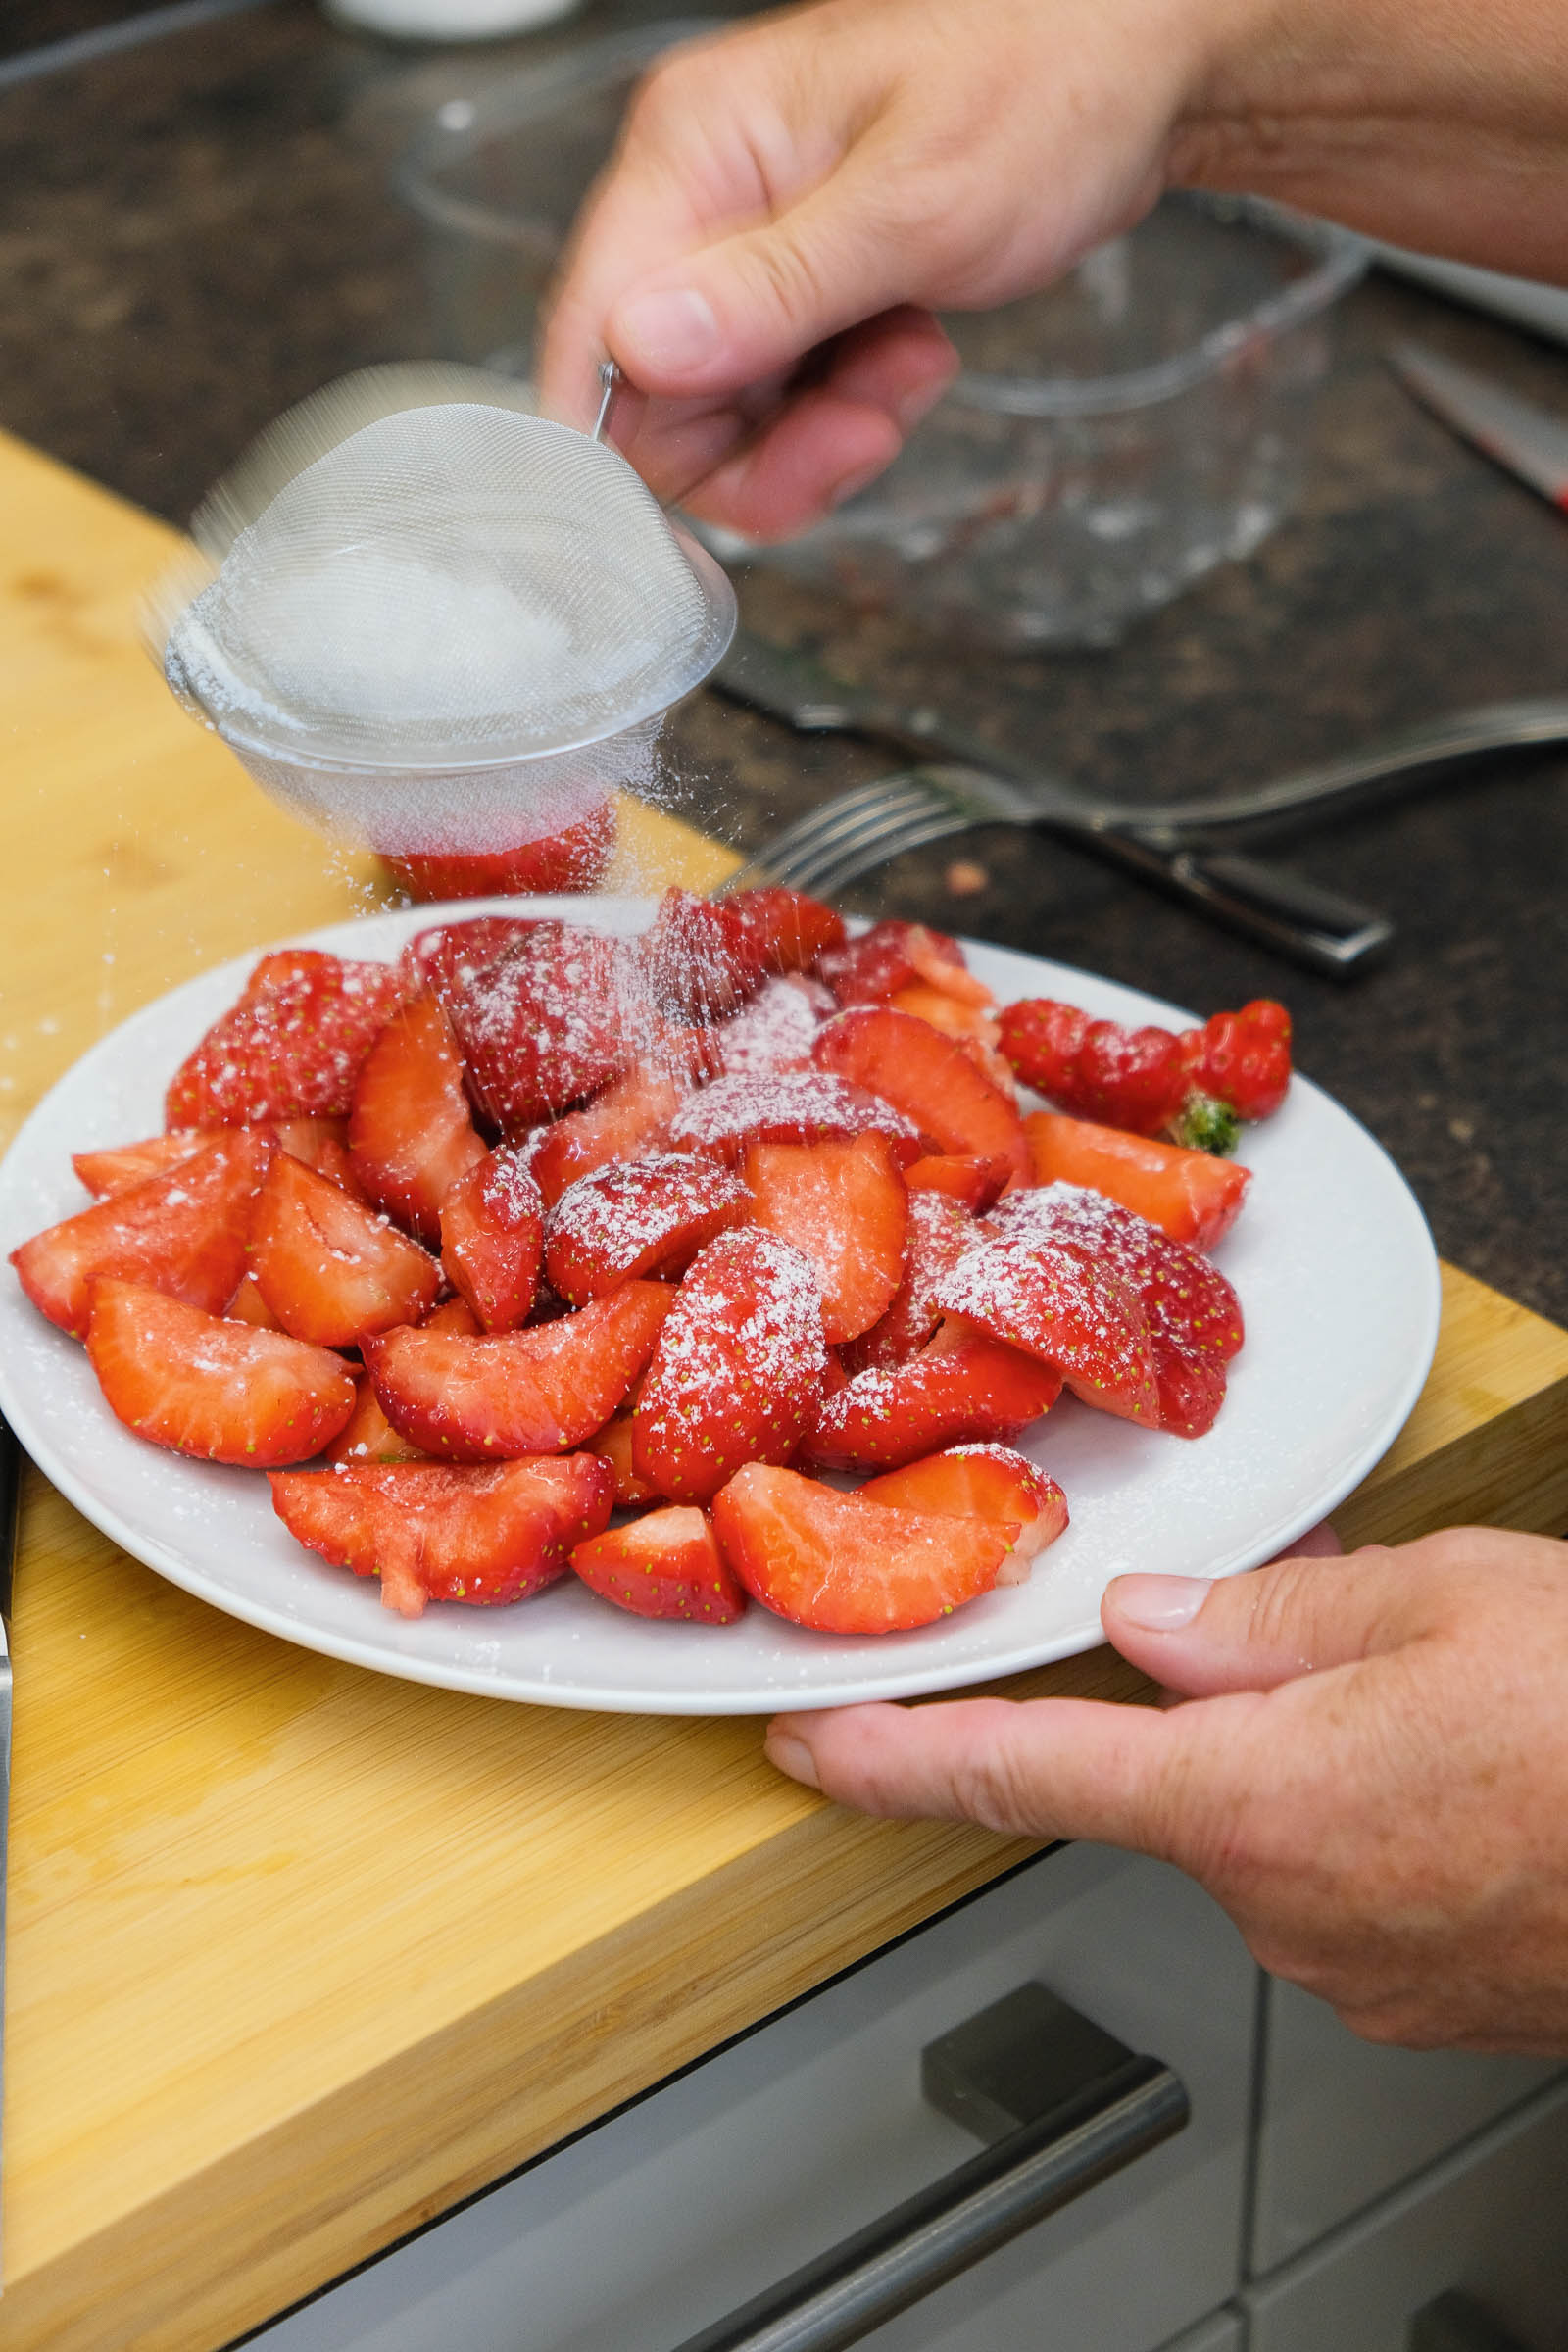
{"type": "Point", "coordinates": [1194, 1086]}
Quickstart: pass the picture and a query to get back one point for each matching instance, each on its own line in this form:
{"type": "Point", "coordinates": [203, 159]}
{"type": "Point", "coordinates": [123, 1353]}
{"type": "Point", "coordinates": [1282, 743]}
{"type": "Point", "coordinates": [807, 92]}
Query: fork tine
{"type": "Point", "coordinates": [831, 874]}
{"type": "Point", "coordinates": [841, 825]}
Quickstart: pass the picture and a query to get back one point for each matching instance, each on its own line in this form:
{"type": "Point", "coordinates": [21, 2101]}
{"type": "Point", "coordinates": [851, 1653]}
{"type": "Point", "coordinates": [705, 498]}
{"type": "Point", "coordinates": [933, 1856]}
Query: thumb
{"type": "Point", "coordinates": [753, 305]}
{"type": "Point", "coordinates": [1250, 1633]}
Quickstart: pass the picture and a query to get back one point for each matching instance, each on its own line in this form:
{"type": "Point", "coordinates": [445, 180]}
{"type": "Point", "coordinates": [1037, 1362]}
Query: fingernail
{"type": "Point", "coordinates": [791, 1757]}
{"type": "Point", "coordinates": [675, 328]}
{"type": "Point", "coordinates": [852, 484]}
{"type": "Point", "coordinates": [1160, 1604]}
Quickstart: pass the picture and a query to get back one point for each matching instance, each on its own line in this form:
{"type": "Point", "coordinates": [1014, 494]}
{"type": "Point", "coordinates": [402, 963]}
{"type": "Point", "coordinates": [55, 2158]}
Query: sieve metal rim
{"type": "Point", "coordinates": [721, 617]}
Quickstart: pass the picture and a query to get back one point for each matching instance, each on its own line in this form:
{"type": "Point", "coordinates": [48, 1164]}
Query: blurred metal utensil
{"type": "Point", "coordinates": [847, 836]}
{"type": "Point", "coordinates": [1527, 441]}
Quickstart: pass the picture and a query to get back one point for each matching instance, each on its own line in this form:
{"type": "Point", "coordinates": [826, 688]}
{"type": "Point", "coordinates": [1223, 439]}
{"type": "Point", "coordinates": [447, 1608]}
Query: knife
{"type": "Point", "coordinates": [1286, 912]}
{"type": "Point", "coordinates": [10, 1498]}
{"type": "Point", "coordinates": [1513, 432]}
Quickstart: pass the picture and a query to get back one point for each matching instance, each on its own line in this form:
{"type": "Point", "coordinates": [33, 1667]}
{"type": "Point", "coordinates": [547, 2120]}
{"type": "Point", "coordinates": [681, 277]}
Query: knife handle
{"type": "Point", "coordinates": [1318, 927]}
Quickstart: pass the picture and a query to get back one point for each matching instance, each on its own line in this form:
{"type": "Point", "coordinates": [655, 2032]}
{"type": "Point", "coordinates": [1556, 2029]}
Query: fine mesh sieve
{"type": "Point", "coordinates": [432, 618]}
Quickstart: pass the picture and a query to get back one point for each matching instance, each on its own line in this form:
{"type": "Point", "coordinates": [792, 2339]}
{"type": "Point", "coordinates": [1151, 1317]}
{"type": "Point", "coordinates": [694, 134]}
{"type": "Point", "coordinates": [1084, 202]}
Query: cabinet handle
{"type": "Point", "coordinates": [1063, 2105]}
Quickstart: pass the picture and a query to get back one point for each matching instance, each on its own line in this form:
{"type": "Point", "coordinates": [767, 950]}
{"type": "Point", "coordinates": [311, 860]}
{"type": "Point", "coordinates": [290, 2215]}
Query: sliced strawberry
{"type": "Point", "coordinates": [327, 1266]}
{"type": "Point", "coordinates": [844, 1565]}
{"type": "Point", "coordinates": [955, 1016]}
{"type": "Point", "coordinates": [889, 955]}
{"type": "Point", "coordinates": [184, 1233]}
{"type": "Point", "coordinates": [845, 1204]}
{"type": "Point", "coordinates": [492, 1238]}
{"type": "Point", "coordinates": [249, 1306]}
{"type": "Point", "coordinates": [1191, 1386]}
{"type": "Point", "coordinates": [698, 959]}
{"type": "Point", "coordinates": [981, 1481]}
{"type": "Point", "coordinates": [223, 1392]}
{"type": "Point", "coordinates": [1190, 1194]}
{"type": "Point", "coordinates": [367, 1436]}
{"type": "Point", "coordinates": [795, 1107]}
{"type": "Point", "coordinates": [540, 1390]}
{"type": "Point", "coordinates": [105, 1173]}
{"type": "Point", "coordinates": [961, 1176]}
{"type": "Point", "coordinates": [961, 1388]}
{"type": "Point", "coordinates": [739, 1368]}
{"type": "Point", "coordinates": [928, 1077]}
{"type": "Point", "coordinates": [939, 1232]}
{"type": "Point", "coordinates": [628, 1118]}
{"type": "Point", "coordinates": [431, 1532]}
{"type": "Point", "coordinates": [543, 1024]}
{"type": "Point", "coordinates": [452, 955]}
{"type": "Point", "coordinates": [574, 859]}
{"type": "Point", "coordinates": [1054, 1300]}
{"type": "Point", "coordinates": [291, 1048]}
{"type": "Point", "coordinates": [785, 931]}
{"type": "Point", "coordinates": [666, 1564]}
{"type": "Point", "coordinates": [644, 1216]}
{"type": "Point", "coordinates": [411, 1135]}
{"type": "Point", "coordinates": [775, 1030]}
{"type": "Point", "coordinates": [613, 1445]}
{"type": "Point", "coordinates": [322, 1145]}
{"type": "Point", "coordinates": [1184, 1295]}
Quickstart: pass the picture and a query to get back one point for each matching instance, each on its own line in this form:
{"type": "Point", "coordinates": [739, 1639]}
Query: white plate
{"type": "Point", "coordinates": [1332, 1259]}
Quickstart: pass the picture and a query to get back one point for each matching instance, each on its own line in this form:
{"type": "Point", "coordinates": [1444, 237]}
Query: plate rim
{"type": "Point", "coordinates": [917, 1682]}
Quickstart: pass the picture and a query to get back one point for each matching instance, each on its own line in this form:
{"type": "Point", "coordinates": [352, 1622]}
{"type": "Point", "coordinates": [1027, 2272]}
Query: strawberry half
{"type": "Point", "coordinates": [184, 1233]}
{"type": "Point", "coordinates": [793, 1107]}
{"type": "Point", "coordinates": [411, 1136]}
{"type": "Point", "coordinates": [367, 1436]}
{"type": "Point", "coordinates": [844, 1565]}
{"type": "Point", "coordinates": [666, 1564]}
{"type": "Point", "coordinates": [976, 1182]}
{"type": "Point", "coordinates": [221, 1392]}
{"type": "Point", "coordinates": [430, 1533]}
{"type": "Point", "coordinates": [292, 1048]}
{"type": "Point", "coordinates": [449, 954]}
{"type": "Point", "coordinates": [981, 1481]}
{"type": "Point", "coordinates": [630, 1117]}
{"type": "Point", "coordinates": [1189, 1195]}
{"type": "Point", "coordinates": [963, 1386]}
{"type": "Point", "coordinates": [492, 1238]}
{"type": "Point", "coordinates": [938, 1231]}
{"type": "Point", "coordinates": [104, 1173]}
{"type": "Point", "coordinates": [845, 1204]}
{"type": "Point", "coordinates": [1054, 1300]}
{"type": "Point", "coordinates": [928, 1077]}
{"type": "Point", "coordinates": [889, 955]}
{"type": "Point", "coordinates": [784, 930]}
{"type": "Point", "coordinates": [643, 1216]}
{"type": "Point", "coordinates": [329, 1268]}
{"type": "Point", "coordinates": [738, 1367]}
{"type": "Point", "coordinates": [540, 1390]}
{"type": "Point", "coordinates": [543, 1024]}
{"type": "Point", "coordinates": [775, 1030]}
{"type": "Point", "coordinates": [1184, 1295]}
{"type": "Point", "coordinates": [697, 960]}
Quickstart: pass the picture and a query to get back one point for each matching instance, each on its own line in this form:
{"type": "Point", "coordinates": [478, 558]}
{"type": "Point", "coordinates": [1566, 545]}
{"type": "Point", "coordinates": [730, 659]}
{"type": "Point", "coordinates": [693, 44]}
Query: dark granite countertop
{"type": "Point", "coordinates": [195, 232]}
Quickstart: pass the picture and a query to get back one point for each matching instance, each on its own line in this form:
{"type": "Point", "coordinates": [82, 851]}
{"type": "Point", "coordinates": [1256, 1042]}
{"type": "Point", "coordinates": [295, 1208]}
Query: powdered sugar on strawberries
{"type": "Point", "coordinates": [774, 1031]}
{"type": "Point", "coordinates": [632, 1206]}
{"type": "Point", "coordinates": [793, 1107]}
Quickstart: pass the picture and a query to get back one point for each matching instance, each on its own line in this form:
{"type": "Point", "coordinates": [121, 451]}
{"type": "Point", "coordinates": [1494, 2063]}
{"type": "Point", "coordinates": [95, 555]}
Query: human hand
{"type": "Point", "coordinates": [1370, 1773]}
{"type": "Point", "coordinates": [813, 183]}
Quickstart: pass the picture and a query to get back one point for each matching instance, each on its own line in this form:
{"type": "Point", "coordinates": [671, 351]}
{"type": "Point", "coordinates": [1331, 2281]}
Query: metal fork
{"type": "Point", "coordinates": [1171, 844]}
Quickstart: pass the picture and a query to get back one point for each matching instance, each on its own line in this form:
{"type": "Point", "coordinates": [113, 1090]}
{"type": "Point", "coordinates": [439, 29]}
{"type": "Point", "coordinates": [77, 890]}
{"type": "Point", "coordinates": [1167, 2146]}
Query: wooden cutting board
{"type": "Point", "coordinates": [299, 1955]}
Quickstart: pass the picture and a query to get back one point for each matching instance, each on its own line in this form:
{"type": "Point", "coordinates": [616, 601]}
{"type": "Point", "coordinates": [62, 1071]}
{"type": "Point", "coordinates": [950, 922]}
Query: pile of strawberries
{"type": "Point", "coordinates": [542, 1229]}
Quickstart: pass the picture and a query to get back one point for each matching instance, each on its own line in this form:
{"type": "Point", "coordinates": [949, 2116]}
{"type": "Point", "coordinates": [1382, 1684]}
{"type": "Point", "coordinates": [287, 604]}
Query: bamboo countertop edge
{"type": "Point", "coordinates": [290, 1968]}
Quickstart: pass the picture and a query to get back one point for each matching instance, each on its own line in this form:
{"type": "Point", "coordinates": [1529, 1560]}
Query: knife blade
{"type": "Point", "coordinates": [1514, 433]}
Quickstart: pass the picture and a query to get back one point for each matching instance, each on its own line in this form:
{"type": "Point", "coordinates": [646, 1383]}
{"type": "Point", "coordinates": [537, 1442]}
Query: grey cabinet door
{"type": "Point", "coordinates": [1490, 2221]}
{"type": "Point", "coordinates": [1342, 2123]}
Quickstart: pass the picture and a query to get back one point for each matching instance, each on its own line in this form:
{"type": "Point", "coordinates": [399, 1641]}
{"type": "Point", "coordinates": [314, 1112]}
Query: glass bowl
{"type": "Point", "coordinates": [1107, 441]}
